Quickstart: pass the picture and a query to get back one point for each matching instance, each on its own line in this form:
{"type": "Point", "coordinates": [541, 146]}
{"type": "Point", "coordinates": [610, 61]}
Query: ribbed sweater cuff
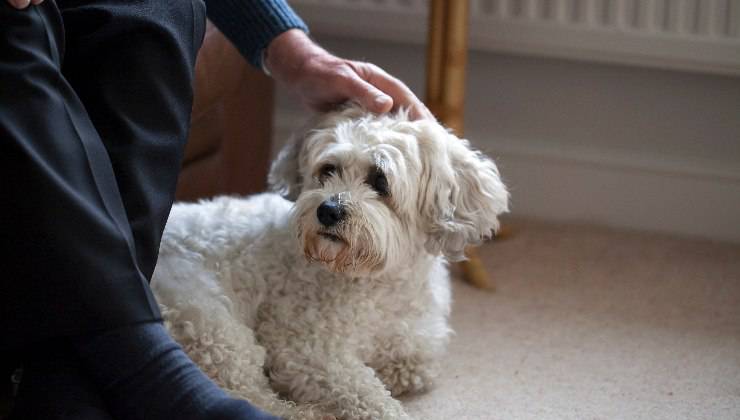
{"type": "Point", "coordinates": [252, 24]}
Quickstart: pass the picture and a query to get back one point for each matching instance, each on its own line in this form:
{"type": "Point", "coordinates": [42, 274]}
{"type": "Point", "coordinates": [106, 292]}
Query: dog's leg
{"type": "Point", "coordinates": [229, 354]}
{"type": "Point", "coordinates": [336, 381]}
{"type": "Point", "coordinates": [406, 359]}
{"type": "Point", "coordinates": [406, 373]}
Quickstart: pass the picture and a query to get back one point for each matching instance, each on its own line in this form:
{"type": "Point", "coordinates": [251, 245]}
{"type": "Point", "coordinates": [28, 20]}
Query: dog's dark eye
{"type": "Point", "coordinates": [327, 171]}
{"type": "Point", "coordinates": [377, 180]}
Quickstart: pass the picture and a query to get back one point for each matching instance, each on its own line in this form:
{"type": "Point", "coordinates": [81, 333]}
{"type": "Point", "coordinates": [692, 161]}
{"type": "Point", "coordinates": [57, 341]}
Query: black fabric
{"type": "Point", "coordinates": [54, 387]}
{"type": "Point", "coordinates": [135, 373]}
{"type": "Point", "coordinates": [95, 100]}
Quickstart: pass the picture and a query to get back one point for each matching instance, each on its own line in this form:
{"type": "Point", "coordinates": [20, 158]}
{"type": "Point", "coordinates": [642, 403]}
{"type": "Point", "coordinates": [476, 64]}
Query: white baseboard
{"type": "Point", "coordinates": [644, 196]}
{"type": "Point", "coordinates": [647, 193]}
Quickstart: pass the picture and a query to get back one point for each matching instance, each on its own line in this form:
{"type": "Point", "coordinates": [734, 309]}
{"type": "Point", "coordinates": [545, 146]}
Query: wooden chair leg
{"type": "Point", "coordinates": [446, 61]}
{"type": "Point", "coordinates": [445, 89]}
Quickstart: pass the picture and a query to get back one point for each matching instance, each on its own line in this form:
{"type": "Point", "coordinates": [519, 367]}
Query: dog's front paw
{"type": "Point", "coordinates": [406, 376]}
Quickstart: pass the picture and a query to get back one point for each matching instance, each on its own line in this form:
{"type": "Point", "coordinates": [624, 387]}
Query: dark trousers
{"type": "Point", "coordinates": [95, 100]}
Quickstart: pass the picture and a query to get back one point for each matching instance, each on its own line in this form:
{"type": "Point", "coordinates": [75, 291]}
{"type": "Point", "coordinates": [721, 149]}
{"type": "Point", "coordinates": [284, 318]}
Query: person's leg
{"type": "Point", "coordinates": [139, 96]}
{"type": "Point", "coordinates": [139, 374]}
{"type": "Point", "coordinates": [131, 62]}
{"type": "Point", "coordinates": [71, 248]}
{"type": "Point", "coordinates": [143, 374]}
{"type": "Point", "coordinates": [69, 260]}
{"type": "Point", "coordinates": [53, 387]}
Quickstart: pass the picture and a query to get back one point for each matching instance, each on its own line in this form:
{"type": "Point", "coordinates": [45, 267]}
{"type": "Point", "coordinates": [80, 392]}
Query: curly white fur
{"type": "Point", "coordinates": [310, 321]}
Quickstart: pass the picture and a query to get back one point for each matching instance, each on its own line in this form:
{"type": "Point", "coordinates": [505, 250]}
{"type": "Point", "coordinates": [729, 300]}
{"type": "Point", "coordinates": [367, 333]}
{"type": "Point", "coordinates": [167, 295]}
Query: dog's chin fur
{"type": "Point", "coordinates": [272, 303]}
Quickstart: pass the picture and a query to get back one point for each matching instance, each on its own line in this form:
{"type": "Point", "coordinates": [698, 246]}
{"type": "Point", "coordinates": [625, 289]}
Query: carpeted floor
{"type": "Point", "coordinates": [592, 323]}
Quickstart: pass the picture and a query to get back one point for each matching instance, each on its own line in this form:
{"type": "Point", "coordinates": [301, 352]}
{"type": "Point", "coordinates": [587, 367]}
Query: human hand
{"type": "Point", "coordinates": [22, 4]}
{"type": "Point", "coordinates": [323, 81]}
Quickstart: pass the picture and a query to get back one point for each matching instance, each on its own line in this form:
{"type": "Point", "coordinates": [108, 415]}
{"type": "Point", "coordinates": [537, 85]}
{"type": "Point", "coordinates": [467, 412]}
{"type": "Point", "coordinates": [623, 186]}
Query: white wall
{"type": "Point", "coordinates": [611, 144]}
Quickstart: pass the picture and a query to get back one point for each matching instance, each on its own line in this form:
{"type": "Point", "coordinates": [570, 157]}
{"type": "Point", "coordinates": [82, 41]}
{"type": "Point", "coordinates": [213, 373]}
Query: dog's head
{"type": "Point", "coordinates": [373, 192]}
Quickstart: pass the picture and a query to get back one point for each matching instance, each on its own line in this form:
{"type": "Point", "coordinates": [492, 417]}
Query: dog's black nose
{"type": "Point", "coordinates": [330, 213]}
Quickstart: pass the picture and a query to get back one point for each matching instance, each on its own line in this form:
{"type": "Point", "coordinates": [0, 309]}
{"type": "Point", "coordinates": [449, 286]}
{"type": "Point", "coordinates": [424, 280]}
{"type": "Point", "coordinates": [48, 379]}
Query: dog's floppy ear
{"type": "Point", "coordinates": [284, 177]}
{"type": "Point", "coordinates": [461, 195]}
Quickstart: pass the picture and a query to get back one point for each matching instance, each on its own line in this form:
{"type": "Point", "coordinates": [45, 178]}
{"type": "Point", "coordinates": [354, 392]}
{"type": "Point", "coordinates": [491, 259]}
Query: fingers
{"type": "Point", "coordinates": [324, 81]}
{"type": "Point", "coordinates": [367, 95]}
{"type": "Point", "coordinates": [401, 95]}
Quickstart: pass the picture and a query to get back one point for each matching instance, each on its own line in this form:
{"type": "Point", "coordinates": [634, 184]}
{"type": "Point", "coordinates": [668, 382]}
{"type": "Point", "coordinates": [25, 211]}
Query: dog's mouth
{"type": "Point", "coordinates": [330, 236]}
{"type": "Point", "coordinates": [327, 248]}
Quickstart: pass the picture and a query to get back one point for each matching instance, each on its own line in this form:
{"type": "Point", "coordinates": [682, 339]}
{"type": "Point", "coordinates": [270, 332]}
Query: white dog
{"type": "Point", "coordinates": [338, 301]}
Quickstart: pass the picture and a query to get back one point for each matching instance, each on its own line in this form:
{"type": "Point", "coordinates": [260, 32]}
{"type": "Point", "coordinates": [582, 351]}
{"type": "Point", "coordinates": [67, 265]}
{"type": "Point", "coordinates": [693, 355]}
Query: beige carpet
{"type": "Point", "coordinates": [591, 323]}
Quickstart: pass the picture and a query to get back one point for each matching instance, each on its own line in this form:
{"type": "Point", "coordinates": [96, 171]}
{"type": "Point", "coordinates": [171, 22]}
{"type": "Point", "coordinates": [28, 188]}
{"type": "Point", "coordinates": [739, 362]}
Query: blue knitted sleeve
{"type": "Point", "coordinates": [252, 24]}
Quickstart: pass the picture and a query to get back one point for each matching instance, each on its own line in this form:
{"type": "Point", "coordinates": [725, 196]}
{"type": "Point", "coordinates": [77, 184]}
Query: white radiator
{"type": "Point", "coordinates": [695, 35]}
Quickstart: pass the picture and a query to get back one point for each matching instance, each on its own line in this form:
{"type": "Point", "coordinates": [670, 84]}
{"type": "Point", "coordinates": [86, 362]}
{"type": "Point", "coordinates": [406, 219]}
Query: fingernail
{"type": "Point", "coordinates": [383, 99]}
{"type": "Point", "coordinates": [21, 4]}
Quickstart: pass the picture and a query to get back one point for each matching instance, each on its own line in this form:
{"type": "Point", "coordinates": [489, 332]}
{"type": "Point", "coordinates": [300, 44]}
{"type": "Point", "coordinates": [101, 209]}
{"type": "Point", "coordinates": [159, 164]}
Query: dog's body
{"type": "Point", "coordinates": [239, 295]}
{"type": "Point", "coordinates": [340, 299]}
